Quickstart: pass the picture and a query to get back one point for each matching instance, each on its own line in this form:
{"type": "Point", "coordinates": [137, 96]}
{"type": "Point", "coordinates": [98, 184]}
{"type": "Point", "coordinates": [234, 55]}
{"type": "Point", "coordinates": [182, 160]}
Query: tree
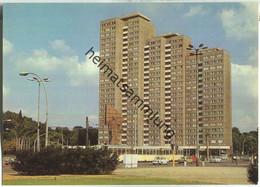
{"type": "Point", "coordinates": [54, 161]}
{"type": "Point", "coordinates": [73, 139]}
{"type": "Point", "coordinates": [9, 146]}
{"type": "Point", "coordinates": [251, 143]}
{"type": "Point", "coordinates": [22, 125]}
{"type": "Point", "coordinates": [237, 140]}
{"type": "Point", "coordinates": [93, 136]}
{"type": "Point", "coordinates": [82, 136]}
{"type": "Point", "coordinates": [20, 118]}
{"type": "Point", "coordinates": [252, 173]}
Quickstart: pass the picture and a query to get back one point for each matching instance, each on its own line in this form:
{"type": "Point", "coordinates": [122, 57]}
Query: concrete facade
{"type": "Point", "coordinates": [160, 70]}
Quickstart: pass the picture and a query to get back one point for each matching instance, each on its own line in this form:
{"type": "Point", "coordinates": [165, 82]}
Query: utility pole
{"type": "Point", "coordinates": [207, 142]}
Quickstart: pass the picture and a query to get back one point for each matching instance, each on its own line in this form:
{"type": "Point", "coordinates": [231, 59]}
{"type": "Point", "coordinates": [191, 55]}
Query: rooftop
{"type": "Point", "coordinates": [168, 35]}
{"type": "Point", "coordinates": [137, 14]}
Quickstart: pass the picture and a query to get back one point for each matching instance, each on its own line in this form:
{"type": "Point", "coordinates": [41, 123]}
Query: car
{"type": "Point", "coordinates": [246, 158]}
{"type": "Point", "coordinates": [235, 158]}
{"type": "Point", "coordinates": [182, 159]}
{"type": "Point", "coordinates": [194, 159]}
{"type": "Point", "coordinates": [215, 160]}
{"type": "Point", "coordinates": [224, 157]}
{"type": "Point", "coordinates": [160, 160]}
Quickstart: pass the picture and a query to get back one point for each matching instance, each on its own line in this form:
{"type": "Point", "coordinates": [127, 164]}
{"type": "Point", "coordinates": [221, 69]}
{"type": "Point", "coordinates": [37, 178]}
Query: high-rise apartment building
{"type": "Point", "coordinates": [193, 97]}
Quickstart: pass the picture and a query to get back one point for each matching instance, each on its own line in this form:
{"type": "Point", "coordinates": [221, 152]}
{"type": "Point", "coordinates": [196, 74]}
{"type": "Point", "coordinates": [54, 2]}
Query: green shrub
{"type": "Point", "coordinates": [45, 162]}
{"type": "Point", "coordinates": [54, 161]}
{"type": "Point", "coordinates": [252, 173]}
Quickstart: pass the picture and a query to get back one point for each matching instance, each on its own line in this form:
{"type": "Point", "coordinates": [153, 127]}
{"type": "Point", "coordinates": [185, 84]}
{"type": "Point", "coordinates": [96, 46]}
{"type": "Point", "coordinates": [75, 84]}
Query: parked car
{"type": "Point", "coordinates": [160, 160]}
{"type": "Point", "coordinates": [246, 158]}
{"type": "Point", "coordinates": [194, 159]}
{"type": "Point", "coordinates": [182, 159]}
{"type": "Point", "coordinates": [224, 157]}
{"type": "Point", "coordinates": [234, 158]}
{"type": "Point", "coordinates": [215, 160]}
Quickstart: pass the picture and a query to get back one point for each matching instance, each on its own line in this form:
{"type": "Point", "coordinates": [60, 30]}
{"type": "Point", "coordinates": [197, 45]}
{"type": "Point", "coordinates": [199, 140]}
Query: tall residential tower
{"type": "Point", "coordinates": [163, 74]}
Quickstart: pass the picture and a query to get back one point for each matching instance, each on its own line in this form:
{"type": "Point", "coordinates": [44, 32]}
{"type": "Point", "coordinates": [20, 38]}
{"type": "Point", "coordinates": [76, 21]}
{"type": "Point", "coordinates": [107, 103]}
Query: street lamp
{"type": "Point", "coordinates": [24, 137]}
{"type": "Point", "coordinates": [196, 52]}
{"type": "Point", "coordinates": [135, 116]}
{"type": "Point", "coordinates": [16, 137]}
{"type": "Point", "coordinates": [244, 147]}
{"type": "Point", "coordinates": [37, 141]}
{"type": "Point", "coordinates": [40, 80]}
{"type": "Point", "coordinates": [173, 151]}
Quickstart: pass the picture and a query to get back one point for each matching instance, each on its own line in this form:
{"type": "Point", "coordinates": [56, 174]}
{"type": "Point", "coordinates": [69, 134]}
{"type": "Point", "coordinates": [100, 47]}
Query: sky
{"type": "Point", "coordinates": [51, 40]}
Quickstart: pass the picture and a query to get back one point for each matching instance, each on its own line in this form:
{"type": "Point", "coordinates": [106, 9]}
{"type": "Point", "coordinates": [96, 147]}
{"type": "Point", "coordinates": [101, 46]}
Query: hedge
{"type": "Point", "coordinates": [252, 173]}
{"type": "Point", "coordinates": [55, 161]}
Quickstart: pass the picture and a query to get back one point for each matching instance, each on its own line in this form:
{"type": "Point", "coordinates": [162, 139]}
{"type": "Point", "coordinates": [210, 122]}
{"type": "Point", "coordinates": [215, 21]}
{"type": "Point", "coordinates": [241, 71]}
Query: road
{"type": "Point", "coordinates": [225, 163]}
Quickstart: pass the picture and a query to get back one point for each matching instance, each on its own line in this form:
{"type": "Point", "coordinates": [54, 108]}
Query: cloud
{"type": "Point", "coordinates": [78, 72]}
{"type": "Point", "coordinates": [240, 24]}
{"type": "Point", "coordinates": [244, 96]}
{"type": "Point", "coordinates": [245, 78]}
{"type": "Point", "coordinates": [7, 47]}
{"type": "Point", "coordinates": [196, 10]}
{"type": "Point", "coordinates": [253, 56]}
{"type": "Point", "coordinates": [59, 45]}
{"type": "Point", "coordinates": [82, 72]}
{"type": "Point", "coordinates": [39, 60]}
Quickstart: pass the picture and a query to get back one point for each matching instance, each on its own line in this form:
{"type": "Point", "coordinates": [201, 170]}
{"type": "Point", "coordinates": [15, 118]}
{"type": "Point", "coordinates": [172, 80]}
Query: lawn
{"type": "Point", "coordinates": [96, 180]}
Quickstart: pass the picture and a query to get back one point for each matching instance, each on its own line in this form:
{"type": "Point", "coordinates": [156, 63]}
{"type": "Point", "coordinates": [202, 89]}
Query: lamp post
{"type": "Point", "coordinates": [40, 80]}
{"type": "Point", "coordinates": [173, 151]}
{"type": "Point", "coordinates": [16, 137]}
{"type": "Point", "coordinates": [196, 52]}
{"type": "Point", "coordinates": [244, 147]}
{"type": "Point", "coordinates": [135, 115]}
{"type": "Point", "coordinates": [37, 141]}
{"type": "Point", "coordinates": [24, 137]}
